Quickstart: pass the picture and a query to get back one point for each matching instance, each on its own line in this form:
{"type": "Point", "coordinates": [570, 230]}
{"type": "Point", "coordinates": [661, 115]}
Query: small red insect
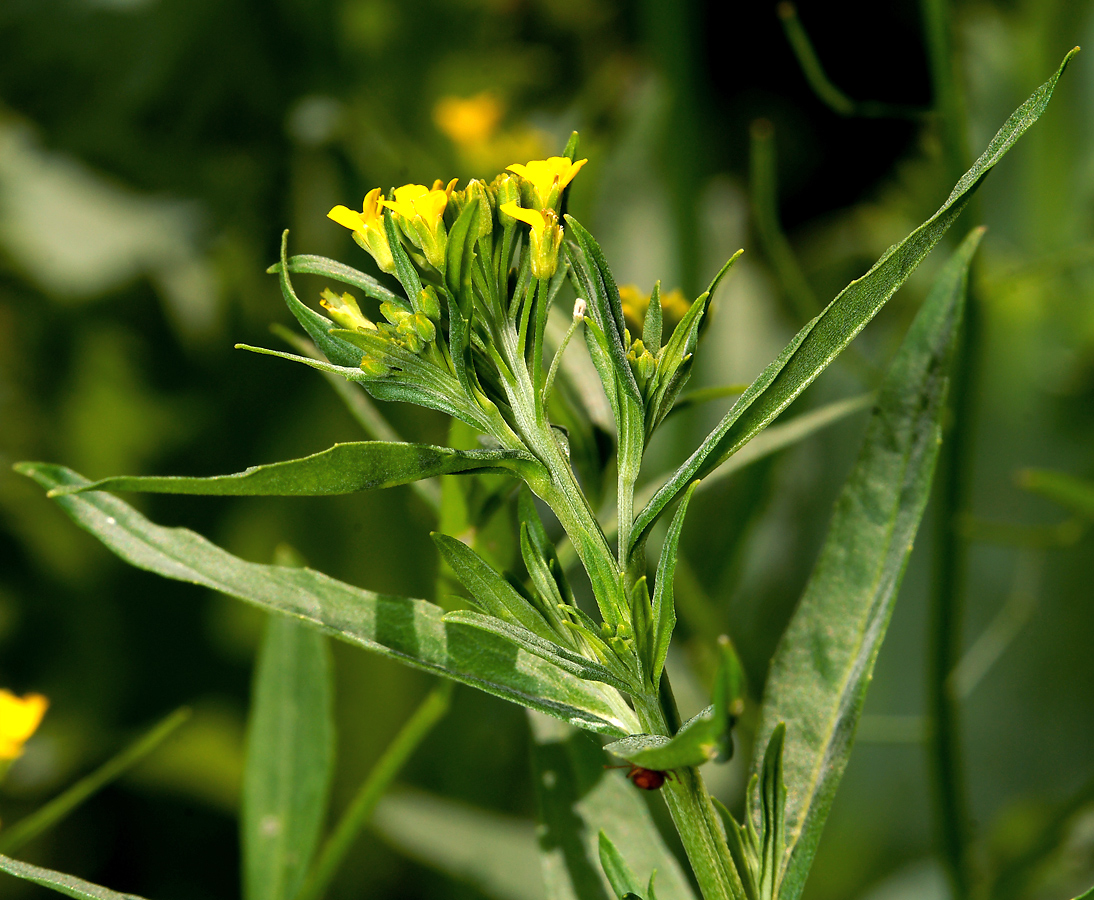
{"type": "Point", "coordinates": [647, 779]}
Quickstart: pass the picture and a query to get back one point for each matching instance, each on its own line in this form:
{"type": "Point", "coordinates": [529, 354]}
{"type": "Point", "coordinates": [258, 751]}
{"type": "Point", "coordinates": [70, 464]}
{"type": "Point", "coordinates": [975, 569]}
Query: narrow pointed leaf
{"type": "Point", "coordinates": [15, 836]}
{"type": "Point", "coordinates": [290, 760]}
{"type": "Point", "coordinates": [563, 657]}
{"type": "Point", "coordinates": [576, 799]}
{"type": "Point", "coordinates": [59, 882]}
{"type": "Point", "coordinates": [825, 660]}
{"type": "Point", "coordinates": [664, 609]}
{"type": "Point", "coordinates": [772, 797]}
{"type": "Point", "coordinates": [339, 352]}
{"type": "Point", "coordinates": [826, 336]}
{"type": "Point", "coordinates": [651, 326]}
{"type": "Point", "coordinates": [343, 469]}
{"type": "Point", "coordinates": [411, 631]}
{"type": "Point", "coordinates": [615, 867]}
{"type": "Point", "coordinates": [488, 589]}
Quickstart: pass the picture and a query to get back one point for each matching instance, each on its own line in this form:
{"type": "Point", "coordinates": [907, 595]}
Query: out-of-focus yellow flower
{"type": "Point", "coordinates": [368, 228]}
{"type": "Point", "coordinates": [674, 306]}
{"type": "Point", "coordinates": [19, 719]}
{"type": "Point", "coordinates": [421, 211]}
{"type": "Point", "coordinates": [548, 178]}
{"type": "Point", "coordinates": [469, 121]}
{"type": "Point", "coordinates": [546, 236]}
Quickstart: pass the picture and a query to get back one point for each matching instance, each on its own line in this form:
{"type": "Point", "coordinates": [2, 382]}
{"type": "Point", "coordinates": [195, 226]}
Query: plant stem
{"type": "Point", "coordinates": [696, 820]}
{"type": "Point", "coordinates": [338, 844]}
{"type": "Point", "coordinates": [954, 476]}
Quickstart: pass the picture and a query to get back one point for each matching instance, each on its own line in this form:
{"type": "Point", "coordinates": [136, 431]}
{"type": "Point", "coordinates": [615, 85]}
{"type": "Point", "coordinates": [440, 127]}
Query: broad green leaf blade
{"type": "Point", "coordinates": [1075, 494]}
{"type": "Point", "coordinates": [494, 852]}
{"type": "Point", "coordinates": [342, 469]}
{"type": "Point", "coordinates": [577, 798]}
{"type": "Point", "coordinates": [825, 660]}
{"type": "Point", "coordinates": [615, 867]}
{"type": "Point", "coordinates": [411, 631]}
{"type": "Point", "coordinates": [59, 882]}
{"type": "Point", "coordinates": [290, 759]}
{"type": "Point", "coordinates": [17, 835]}
{"type": "Point", "coordinates": [825, 337]}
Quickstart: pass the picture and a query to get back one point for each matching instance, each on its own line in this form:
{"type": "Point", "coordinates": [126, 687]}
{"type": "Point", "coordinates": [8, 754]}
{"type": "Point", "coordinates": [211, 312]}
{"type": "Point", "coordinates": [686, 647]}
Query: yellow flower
{"type": "Point", "coordinates": [548, 177]}
{"type": "Point", "coordinates": [674, 306]}
{"type": "Point", "coordinates": [468, 121]}
{"type": "Point", "coordinates": [368, 228]}
{"type": "Point", "coordinates": [421, 211]}
{"type": "Point", "coordinates": [546, 236]}
{"type": "Point", "coordinates": [19, 719]}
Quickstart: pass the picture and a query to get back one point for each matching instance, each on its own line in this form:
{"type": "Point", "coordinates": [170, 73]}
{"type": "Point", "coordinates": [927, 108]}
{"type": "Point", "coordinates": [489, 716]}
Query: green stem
{"type": "Point", "coordinates": [334, 851]}
{"type": "Point", "coordinates": [696, 820]}
{"type": "Point", "coordinates": [954, 476]}
{"type": "Point", "coordinates": [27, 829]}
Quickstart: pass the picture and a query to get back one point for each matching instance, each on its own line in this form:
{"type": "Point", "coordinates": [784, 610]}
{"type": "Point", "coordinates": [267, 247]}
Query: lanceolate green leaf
{"type": "Point", "coordinates": [59, 882]}
{"type": "Point", "coordinates": [290, 759]}
{"type": "Point", "coordinates": [576, 799]}
{"type": "Point", "coordinates": [343, 469]}
{"type": "Point", "coordinates": [824, 338]}
{"type": "Point", "coordinates": [825, 660]}
{"type": "Point", "coordinates": [412, 631]}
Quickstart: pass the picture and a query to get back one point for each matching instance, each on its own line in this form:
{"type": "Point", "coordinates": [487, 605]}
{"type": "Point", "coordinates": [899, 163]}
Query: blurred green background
{"type": "Point", "coordinates": [151, 152]}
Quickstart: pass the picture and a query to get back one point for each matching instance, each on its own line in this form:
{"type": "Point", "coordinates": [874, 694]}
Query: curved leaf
{"type": "Point", "coordinates": [825, 660]}
{"type": "Point", "coordinates": [306, 264]}
{"type": "Point", "coordinates": [411, 631]}
{"type": "Point", "coordinates": [825, 337]}
{"type": "Point", "coordinates": [343, 469]}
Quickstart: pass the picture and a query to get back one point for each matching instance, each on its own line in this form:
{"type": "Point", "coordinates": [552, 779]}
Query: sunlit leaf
{"type": "Point", "coordinates": [342, 469]}
{"type": "Point", "coordinates": [411, 631]}
{"type": "Point", "coordinates": [825, 660]}
{"type": "Point", "coordinates": [825, 337]}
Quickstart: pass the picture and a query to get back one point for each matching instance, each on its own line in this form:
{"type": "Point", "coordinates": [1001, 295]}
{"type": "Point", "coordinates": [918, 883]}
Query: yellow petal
{"type": "Point", "coordinates": [532, 216]}
{"type": "Point", "coordinates": [345, 216]}
{"type": "Point", "coordinates": [19, 719]}
{"type": "Point", "coordinates": [542, 174]}
{"type": "Point", "coordinates": [371, 208]}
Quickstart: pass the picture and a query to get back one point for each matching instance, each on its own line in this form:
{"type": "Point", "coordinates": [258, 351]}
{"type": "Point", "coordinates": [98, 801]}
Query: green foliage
{"type": "Point", "coordinates": [825, 661]}
{"type": "Point", "coordinates": [62, 884]}
{"type": "Point", "coordinates": [412, 631]}
{"type": "Point", "coordinates": [821, 340]}
{"type": "Point", "coordinates": [290, 760]}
